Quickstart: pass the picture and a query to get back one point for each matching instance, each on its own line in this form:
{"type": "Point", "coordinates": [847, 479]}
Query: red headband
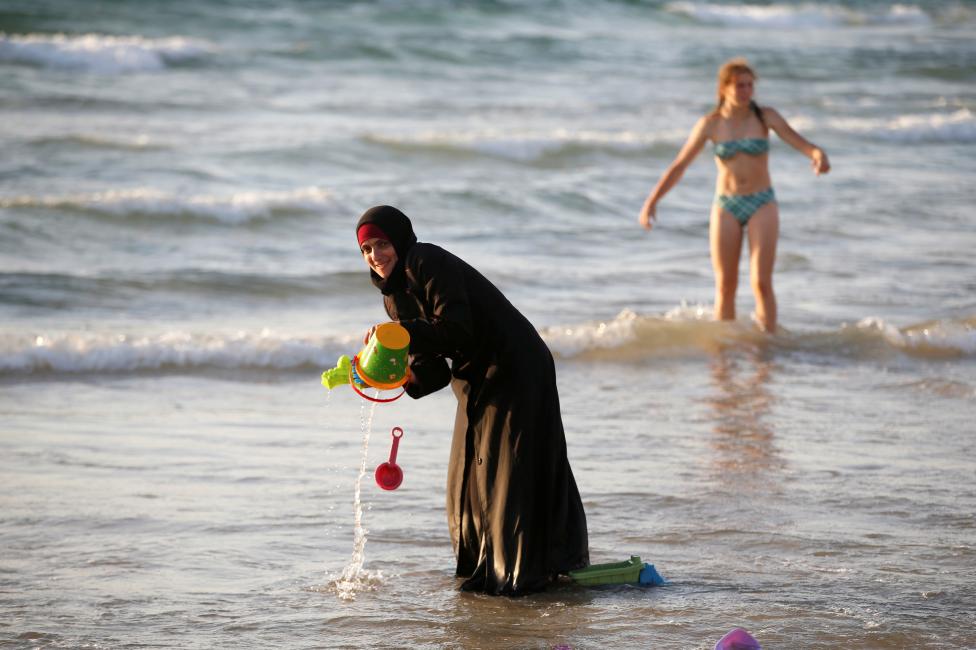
{"type": "Point", "coordinates": [370, 231]}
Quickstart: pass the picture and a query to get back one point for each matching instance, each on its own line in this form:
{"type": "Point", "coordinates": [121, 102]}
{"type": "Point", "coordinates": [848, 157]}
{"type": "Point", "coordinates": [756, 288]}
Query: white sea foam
{"type": "Point", "coordinates": [761, 15]}
{"type": "Point", "coordinates": [571, 340]}
{"type": "Point", "coordinates": [903, 15]}
{"type": "Point", "coordinates": [936, 337]}
{"type": "Point", "coordinates": [689, 312]}
{"type": "Point", "coordinates": [99, 52]}
{"type": "Point", "coordinates": [240, 207]}
{"type": "Point", "coordinates": [956, 127]}
{"type": "Point", "coordinates": [627, 336]}
{"type": "Point", "coordinates": [631, 335]}
{"type": "Point", "coordinates": [808, 15]}
{"type": "Point", "coordinates": [528, 145]}
{"type": "Point", "coordinates": [690, 328]}
{"type": "Point", "coordinates": [138, 142]}
{"type": "Point", "coordinates": [178, 350]}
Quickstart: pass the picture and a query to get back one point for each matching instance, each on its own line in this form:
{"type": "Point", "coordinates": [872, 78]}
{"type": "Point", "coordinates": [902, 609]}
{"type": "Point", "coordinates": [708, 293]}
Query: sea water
{"type": "Point", "coordinates": [178, 192]}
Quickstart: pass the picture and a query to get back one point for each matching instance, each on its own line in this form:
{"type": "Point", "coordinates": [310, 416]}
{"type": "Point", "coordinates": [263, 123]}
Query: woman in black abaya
{"type": "Point", "coordinates": [513, 509]}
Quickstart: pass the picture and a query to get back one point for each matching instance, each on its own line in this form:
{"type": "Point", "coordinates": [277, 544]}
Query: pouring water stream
{"type": "Point", "coordinates": [353, 577]}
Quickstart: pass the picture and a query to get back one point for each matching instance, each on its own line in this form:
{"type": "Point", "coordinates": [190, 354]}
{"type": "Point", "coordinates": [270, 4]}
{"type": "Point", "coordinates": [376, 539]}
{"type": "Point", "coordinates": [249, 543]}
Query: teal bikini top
{"type": "Point", "coordinates": [751, 146]}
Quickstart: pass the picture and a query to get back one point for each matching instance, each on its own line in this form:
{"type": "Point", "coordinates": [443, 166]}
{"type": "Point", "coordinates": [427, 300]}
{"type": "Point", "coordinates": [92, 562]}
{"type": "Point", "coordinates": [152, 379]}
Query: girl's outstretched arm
{"type": "Point", "coordinates": [671, 176]}
{"type": "Point", "coordinates": [818, 158]}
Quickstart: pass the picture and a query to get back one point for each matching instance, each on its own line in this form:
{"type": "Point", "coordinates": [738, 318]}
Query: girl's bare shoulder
{"type": "Point", "coordinates": [708, 123]}
{"type": "Point", "coordinates": [770, 113]}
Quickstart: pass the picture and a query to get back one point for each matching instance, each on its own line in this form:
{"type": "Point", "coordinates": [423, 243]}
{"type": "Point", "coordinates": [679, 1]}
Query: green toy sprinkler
{"type": "Point", "coordinates": [382, 364]}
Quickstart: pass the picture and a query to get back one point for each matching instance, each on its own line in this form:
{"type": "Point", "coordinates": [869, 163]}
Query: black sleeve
{"type": "Point", "coordinates": [449, 328]}
{"type": "Point", "coordinates": [428, 374]}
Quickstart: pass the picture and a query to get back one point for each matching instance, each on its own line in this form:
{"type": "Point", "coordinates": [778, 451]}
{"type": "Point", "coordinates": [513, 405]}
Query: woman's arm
{"type": "Point", "coordinates": [448, 325]}
{"type": "Point", "coordinates": [671, 176]}
{"type": "Point", "coordinates": [817, 156]}
{"type": "Point", "coordinates": [428, 372]}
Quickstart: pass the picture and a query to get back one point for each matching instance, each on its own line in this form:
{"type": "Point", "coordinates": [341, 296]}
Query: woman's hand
{"type": "Point", "coordinates": [369, 333]}
{"type": "Point", "coordinates": [648, 216]}
{"type": "Point", "coordinates": [819, 162]}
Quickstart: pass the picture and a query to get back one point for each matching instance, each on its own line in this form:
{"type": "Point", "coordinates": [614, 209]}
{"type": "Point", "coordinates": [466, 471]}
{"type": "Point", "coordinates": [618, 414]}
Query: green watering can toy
{"type": "Point", "coordinates": [382, 364]}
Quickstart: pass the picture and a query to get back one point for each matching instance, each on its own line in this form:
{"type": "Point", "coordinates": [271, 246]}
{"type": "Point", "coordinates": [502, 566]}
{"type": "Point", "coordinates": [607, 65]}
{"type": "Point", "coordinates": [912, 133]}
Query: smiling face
{"type": "Point", "coordinates": [380, 256]}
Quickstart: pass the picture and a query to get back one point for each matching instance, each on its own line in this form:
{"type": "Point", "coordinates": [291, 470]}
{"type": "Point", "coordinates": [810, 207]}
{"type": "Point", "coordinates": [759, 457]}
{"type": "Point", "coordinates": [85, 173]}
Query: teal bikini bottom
{"type": "Point", "coordinates": [743, 206]}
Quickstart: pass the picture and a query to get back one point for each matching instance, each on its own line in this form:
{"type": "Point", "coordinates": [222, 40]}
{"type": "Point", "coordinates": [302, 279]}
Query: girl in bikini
{"type": "Point", "coordinates": [744, 197]}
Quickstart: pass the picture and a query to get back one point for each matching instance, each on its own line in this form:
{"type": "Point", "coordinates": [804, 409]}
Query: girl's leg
{"type": "Point", "coordinates": [725, 236]}
{"type": "Point", "coordinates": [763, 230]}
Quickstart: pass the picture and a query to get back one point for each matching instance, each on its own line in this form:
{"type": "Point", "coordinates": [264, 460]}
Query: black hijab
{"type": "Point", "coordinates": [399, 231]}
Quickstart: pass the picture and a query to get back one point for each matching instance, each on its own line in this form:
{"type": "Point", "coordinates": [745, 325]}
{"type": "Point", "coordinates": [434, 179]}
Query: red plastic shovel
{"type": "Point", "coordinates": [389, 476]}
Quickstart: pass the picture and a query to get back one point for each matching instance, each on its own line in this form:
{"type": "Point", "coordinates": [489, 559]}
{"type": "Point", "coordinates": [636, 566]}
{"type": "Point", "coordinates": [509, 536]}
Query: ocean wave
{"type": "Point", "coordinates": [173, 351]}
{"type": "Point", "coordinates": [958, 127]}
{"type": "Point", "coordinates": [941, 338]}
{"type": "Point", "coordinates": [690, 329]}
{"type": "Point", "coordinates": [630, 337]}
{"type": "Point", "coordinates": [109, 290]}
{"type": "Point", "coordinates": [99, 52]}
{"type": "Point", "coordinates": [530, 145]}
{"type": "Point", "coordinates": [241, 207]}
{"type": "Point", "coordinates": [93, 141]}
{"type": "Point", "coordinates": [798, 16]}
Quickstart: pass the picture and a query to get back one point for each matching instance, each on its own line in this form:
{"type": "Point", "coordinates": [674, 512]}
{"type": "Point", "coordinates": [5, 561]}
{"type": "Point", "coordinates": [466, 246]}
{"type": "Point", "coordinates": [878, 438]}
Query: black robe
{"type": "Point", "coordinates": [514, 512]}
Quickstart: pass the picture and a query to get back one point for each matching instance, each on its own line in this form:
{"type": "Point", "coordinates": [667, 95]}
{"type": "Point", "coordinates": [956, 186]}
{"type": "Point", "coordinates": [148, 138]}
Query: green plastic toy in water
{"type": "Point", "coordinates": [382, 364]}
{"type": "Point", "coordinates": [630, 572]}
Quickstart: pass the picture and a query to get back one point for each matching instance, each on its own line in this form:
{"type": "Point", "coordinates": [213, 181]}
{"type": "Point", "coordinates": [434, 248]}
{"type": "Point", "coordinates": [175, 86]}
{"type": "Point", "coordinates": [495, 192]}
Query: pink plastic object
{"type": "Point", "coordinates": [737, 639]}
{"type": "Point", "coordinates": [389, 476]}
